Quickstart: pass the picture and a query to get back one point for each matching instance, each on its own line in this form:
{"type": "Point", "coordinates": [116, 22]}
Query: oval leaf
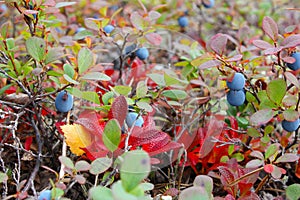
{"type": "Point", "coordinates": [292, 78]}
{"type": "Point", "coordinates": [290, 115]}
{"type": "Point", "coordinates": [288, 157]}
{"type": "Point", "coordinates": [174, 94]}
{"type": "Point", "coordinates": [85, 60]}
{"type": "Point", "coordinates": [112, 135]}
{"type": "Point", "coordinates": [100, 165]}
{"type": "Point", "coordinates": [293, 191]}
{"type": "Point", "coordinates": [119, 109]}
{"type": "Point", "coordinates": [261, 117]}
{"type": "Point", "coordinates": [153, 38]}
{"type": "Point", "coordinates": [36, 47]}
{"type": "Point", "coordinates": [270, 28]}
{"type": "Point", "coordinates": [210, 64]}
{"type": "Point", "coordinates": [97, 76]}
{"type": "Point", "coordinates": [134, 168]}
{"type": "Point", "coordinates": [276, 90]}
{"type": "Point", "coordinates": [82, 165]}
{"type": "Point", "coordinates": [262, 44]}
{"type": "Point", "coordinates": [66, 161]}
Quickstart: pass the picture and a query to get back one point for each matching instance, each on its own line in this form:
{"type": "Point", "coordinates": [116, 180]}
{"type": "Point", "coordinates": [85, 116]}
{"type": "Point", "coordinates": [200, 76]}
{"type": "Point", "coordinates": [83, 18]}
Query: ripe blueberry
{"type": "Point", "coordinates": [208, 3]}
{"type": "Point", "coordinates": [290, 126]}
{"type": "Point", "coordinates": [296, 65]}
{"type": "Point", "coordinates": [63, 102]}
{"type": "Point", "coordinates": [108, 28]}
{"type": "Point", "coordinates": [142, 53]}
{"type": "Point", "coordinates": [45, 195]}
{"type": "Point", "coordinates": [236, 97]}
{"type": "Point", "coordinates": [183, 21]}
{"type": "Point", "coordinates": [237, 83]}
{"type": "Point", "coordinates": [132, 117]}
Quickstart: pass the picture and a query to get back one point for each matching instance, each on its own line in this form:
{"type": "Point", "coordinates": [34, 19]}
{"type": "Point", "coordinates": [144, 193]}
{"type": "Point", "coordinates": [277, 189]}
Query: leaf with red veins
{"type": "Point", "coordinates": [227, 177]}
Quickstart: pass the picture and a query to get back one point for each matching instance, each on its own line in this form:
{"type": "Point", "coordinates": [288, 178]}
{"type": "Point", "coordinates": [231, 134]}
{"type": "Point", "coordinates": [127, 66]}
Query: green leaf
{"type": "Point", "coordinates": [158, 79]}
{"type": "Point", "coordinates": [238, 156]}
{"type": "Point", "coordinates": [293, 191]}
{"type": "Point", "coordinates": [36, 47]}
{"type": "Point", "coordinates": [120, 193]}
{"type": "Point", "coordinates": [70, 80]}
{"type": "Point", "coordinates": [4, 88]}
{"type": "Point", "coordinates": [69, 70]}
{"type": "Point", "coordinates": [261, 117]}
{"type": "Point", "coordinates": [276, 90]}
{"type": "Point", "coordinates": [54, 54]}
{"type": "Point", "coordinates": [100, 165]}
{"type": "Point", "coordinates": [107, 96]}
{"type": "Point", "coordinates": [101, 193]}
{"type": "Point", "coordinates": [82, 165]}
{"type": "Point", "coordinates": [175, 94]}
{"type": "Point", "coordinates": [82, 34]}
{"type": "Point", "coordinates": [144, 105]}
{"type": "Point", "coordinates": [271, 150]}
{"type": "Point", "coordinates": [169, 80]}
{"type": "Point", "coordinates": [112, 135]}
{"type": "Point", "coordinates": [141, 89]}
{"type": "Point", "coordinates": [66, 161]}
{"type": "Point", "coordinates": [122, 89]}
{"type": "Point", "coordinates": [96, 76]}
{"type": "Point", "coordinates": [85, 60]}
{"type": "Point", "coordinates": [194, 193]}
{"type": "Point", "coordinates": [64, 4]}
{"type": "Point", "coordinates": [134, 168]}
{"type": "Point", "coordinates": [205, 182]}
{"type": "Point", "coordinates": [290, 115]}
{"type": "Point", "coordinates": [91, 96]}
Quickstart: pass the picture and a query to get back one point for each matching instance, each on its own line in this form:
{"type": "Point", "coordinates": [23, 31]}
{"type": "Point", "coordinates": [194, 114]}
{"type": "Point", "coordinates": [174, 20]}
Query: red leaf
{"type": "Point", "coordinates": [218, 43]}
{"type": "Point", "coordinates": [92, 122]}
{"type": "Point", "coordinates": [227, 176]}
{"type": "Point", "coordinates": [154, 38]}
{"type": "Point", "coordinates": [210, 64]}
{"type": "Point", "coordinates": [269, 168]}
{"type": "Point", "coordinates": [262, 44]}
{"type": "Point", "coordinates": [28, 143]}
{"type": "Point", "coordinates": [251, 196]}
{"type": "Point", "coordinates": [58, 126]}
{"type": "Point", "coordinates": [297, 170]}
{"type": "Point", "coordinates": [215, 128]}
{"type": "Point", "coordinates": [119, 109]}
{"type": "Point", "coordinates": [270, 28]}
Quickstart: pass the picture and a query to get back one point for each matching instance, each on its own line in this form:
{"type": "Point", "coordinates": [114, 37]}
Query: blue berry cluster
{"type": "Point", "coordinates": [236, 96]}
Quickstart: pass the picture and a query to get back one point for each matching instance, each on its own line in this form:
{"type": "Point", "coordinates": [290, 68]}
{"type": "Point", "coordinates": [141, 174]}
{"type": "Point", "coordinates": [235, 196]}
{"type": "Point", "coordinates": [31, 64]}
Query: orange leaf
{"type": "Point", "coordinates": [77, 137]}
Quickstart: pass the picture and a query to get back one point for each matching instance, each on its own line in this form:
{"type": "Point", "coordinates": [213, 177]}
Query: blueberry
{"type": "Point", "coordinates": [236, 97]}
{"type": "Point", "coordinates": [183, 21]}
{"type": "Point", "coordinates": [64, 102]}
{"type": "Point", "coordinates": [130, 119]}
{"type": "Point", "coordinates": [108, 28]}
{"type": "Point", "coordinates": [45, 195]}
{"type": "Point", "coordinates": [142, 53]}
{"type": "Point", "coordinates": [237, 83]}
{"type": "Point", "coordinates": [290, 126]}
{"type": "Point", "coordinates": [209, 4]}
{"type": "Point", "coordinates": [296, 65]}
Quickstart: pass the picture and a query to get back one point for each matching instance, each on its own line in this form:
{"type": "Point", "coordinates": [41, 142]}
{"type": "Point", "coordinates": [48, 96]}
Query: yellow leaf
{"type": "Point", "coordinates": [77, 137]}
